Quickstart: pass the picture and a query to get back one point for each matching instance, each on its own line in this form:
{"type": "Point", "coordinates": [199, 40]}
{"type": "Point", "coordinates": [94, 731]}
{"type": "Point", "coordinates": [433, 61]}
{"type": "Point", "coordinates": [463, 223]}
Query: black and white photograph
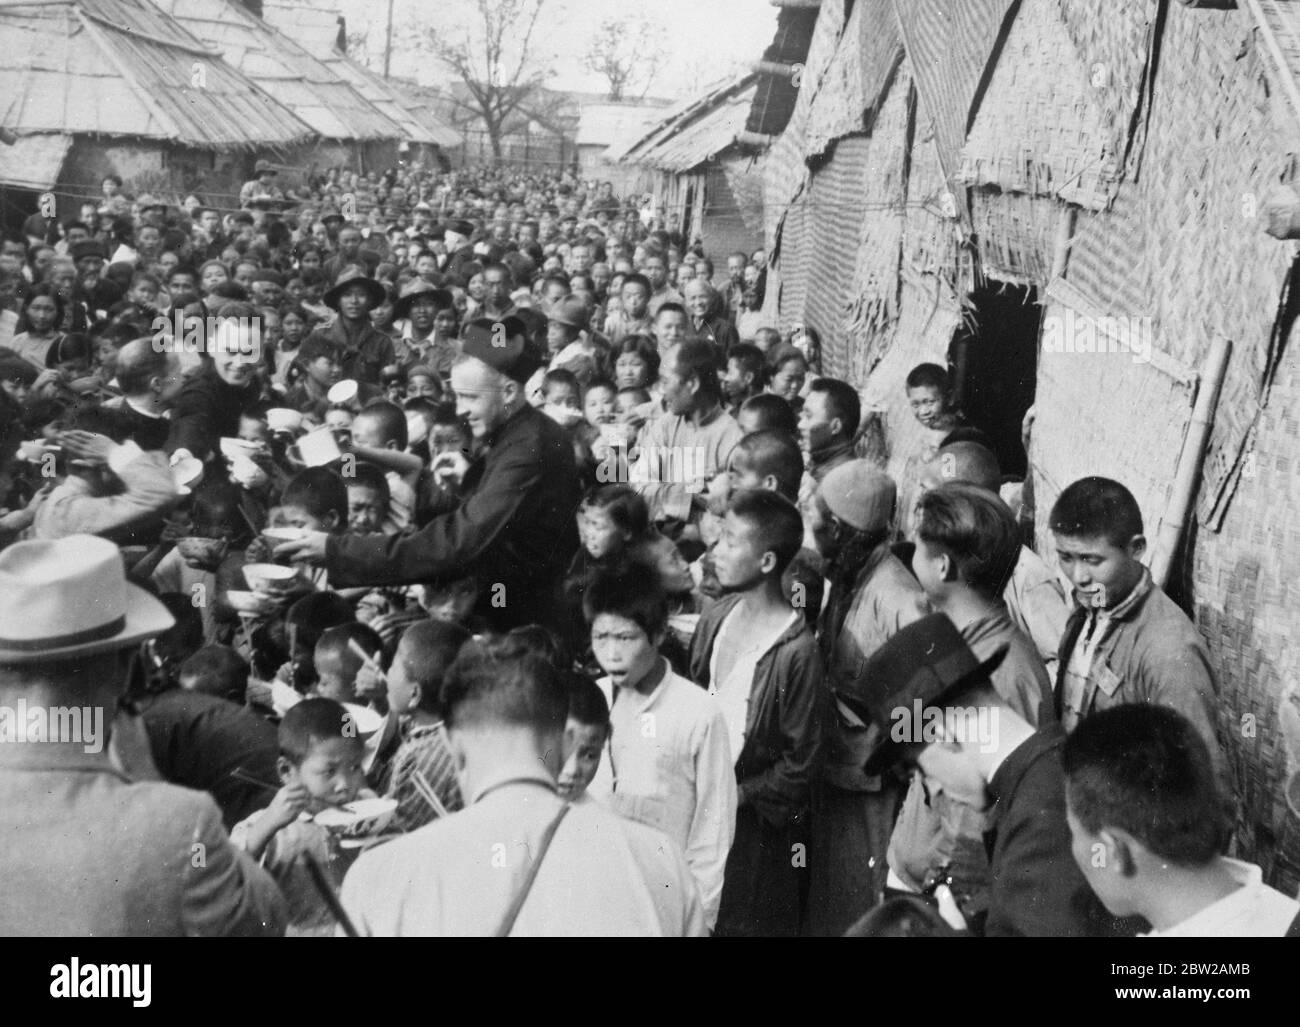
{"type": "Point", "coordinates": [777, 469]}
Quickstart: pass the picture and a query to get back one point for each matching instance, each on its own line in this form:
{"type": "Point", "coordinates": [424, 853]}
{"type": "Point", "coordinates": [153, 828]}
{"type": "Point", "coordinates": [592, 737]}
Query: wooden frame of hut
{"type": "Point", "coordinates": [698, 170]}
{"type": "Point", "coordinates": [1115, 161]}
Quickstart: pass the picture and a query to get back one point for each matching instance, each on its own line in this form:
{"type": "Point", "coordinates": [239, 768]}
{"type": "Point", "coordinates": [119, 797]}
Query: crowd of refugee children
{"type": "Point", "coordinates": [374, 437]}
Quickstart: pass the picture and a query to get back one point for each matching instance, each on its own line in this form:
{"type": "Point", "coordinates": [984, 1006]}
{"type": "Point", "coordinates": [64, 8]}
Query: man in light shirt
{"type": "Point", "coordinates": [460, 876]}
{"type": "Point", "coordinates": [668, 762]}
{"type": "Point", "coordinates": [1148, 830]}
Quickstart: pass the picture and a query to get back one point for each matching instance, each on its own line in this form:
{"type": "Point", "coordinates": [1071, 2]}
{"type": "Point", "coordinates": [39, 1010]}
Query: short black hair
{"type": "Point", "coordinates": [561, 376]}
{"type": "Point", "coordinates": [313, 721]}
{"type": "Point", "coordinates": [319, 491]}
{"type": "Point", "coordinates": [487, 688]}
{"type": "Point", "coordinates": [1143, 768]}
{"type": "Point", "coordinates": [776, 522]}
{"type": "Point", "coordinates": [976, 529]}
{"type": "Point", "coordinates": [842, 401]}
{"type": "Point", "coordinates": [217, 670]}
{"type": "Point", "coordinates": [633, 592]}
{"type": "Point", "coordinates": [368, 476]}
{"type": "Point", "coordinates": [1096, 508]}
{"type": "Point", "coordinates": [751, 361]}
{"type": "Point", "coordinates": [776, 453]}
{"type": "Point", "coordinates": [772, 412]}
{"type": "Point", "coordinates": [930, 376]}
{"type": "Point", "coordinates": [426, 649]}
{"type": "Point", "coordinates": [314, 614]}
{"type": "Point", "coordinates": [587, 703]}
{"type": "Point", "coordinates": [390, 418]}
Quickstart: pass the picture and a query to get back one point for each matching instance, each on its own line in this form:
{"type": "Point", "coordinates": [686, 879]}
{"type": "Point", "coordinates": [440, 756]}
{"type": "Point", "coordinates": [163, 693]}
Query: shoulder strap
{"type": "Point", "coordinates": [512, 914]}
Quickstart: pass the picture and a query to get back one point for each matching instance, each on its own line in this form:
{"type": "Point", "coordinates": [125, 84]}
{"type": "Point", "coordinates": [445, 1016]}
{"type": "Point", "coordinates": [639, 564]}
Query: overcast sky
{"type": "Point", "coordinates": [707, 38]}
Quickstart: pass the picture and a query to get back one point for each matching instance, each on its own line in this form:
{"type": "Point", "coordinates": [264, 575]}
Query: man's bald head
{"type": "Point", "coordinates": [139, 362]}
{"type": "Point", "coordinates": [969, 462]}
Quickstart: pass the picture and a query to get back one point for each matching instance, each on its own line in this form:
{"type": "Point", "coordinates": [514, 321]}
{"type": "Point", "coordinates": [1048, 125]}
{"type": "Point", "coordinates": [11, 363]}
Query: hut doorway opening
{"type": "Point", "coordinates": [994, 355]}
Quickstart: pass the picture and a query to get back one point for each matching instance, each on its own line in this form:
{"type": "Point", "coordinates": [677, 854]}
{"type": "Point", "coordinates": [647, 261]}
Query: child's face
{"type": "Point", "coordinates": [106, 354]}
{"type": "Point", "coordinates": [598, 406]}
{"type": "Point", "coordinates": [674, 571]}
{"type": "Point", "coordinates": [331, 773]}
{"type": "Point", "coordinates": [368, 431]}
{"type": "Point", "coordinates": [335, 679]}
{"type": "Point", "coordinates": [297, 517]}
{"type": "Point", "coordinates": [293, 329]}
{"type": "Point", "coordinates": [338, 420]}
{"type": "Point", "coordinates": [625, 404]}
{"type": "Point", "coordinates": [422, 385]}
{"type": "Point", "coordinates": [582, 747]}
{"type": "Point", "coordinates": [622, 648]}
{"type": "Point", "coordinates": [447, 438]}
{"type": "Point", "coordinates": [561, 394]}
{"type": "Point", "coordinates": [324, 371]}
{"type": "Point", "coordinates": [366, 509]}
{"type": "Point", "coordinates": [144, 293]}
{"type": "Point", "coordinates": [600, 535]}
{"type": "Point", "coordinates": [253, 430]}
{"type": "Point", "coordinates": [635, 300]}
{"type": "Point", "coordinates": [929, 405]}
{"type": "Point", "coordinates": [453, 602]}
{"type": "Point", "coordinates": [631, 371]}
{"type": "Point", "coordinates": [402, 691]}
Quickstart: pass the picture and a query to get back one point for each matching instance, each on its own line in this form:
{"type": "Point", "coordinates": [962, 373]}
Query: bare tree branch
{"type": "Point", "coordinates": [627, 53]}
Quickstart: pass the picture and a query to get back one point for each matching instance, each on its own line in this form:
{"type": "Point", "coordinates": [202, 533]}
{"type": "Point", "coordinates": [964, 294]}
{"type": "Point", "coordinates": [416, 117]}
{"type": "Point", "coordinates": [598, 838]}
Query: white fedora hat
{"type": "Point", "coordinates": [68, 597]}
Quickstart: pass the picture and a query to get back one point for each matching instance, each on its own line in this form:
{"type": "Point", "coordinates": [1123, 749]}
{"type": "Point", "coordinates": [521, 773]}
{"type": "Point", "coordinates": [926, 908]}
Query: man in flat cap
{"type": "Point", "coordinates": [514, 527]}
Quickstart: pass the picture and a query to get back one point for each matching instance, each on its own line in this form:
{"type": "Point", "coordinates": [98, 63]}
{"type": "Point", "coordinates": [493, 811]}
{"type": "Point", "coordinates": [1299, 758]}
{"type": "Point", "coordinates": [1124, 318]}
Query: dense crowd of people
{"type": "Point", "coordinates": [464, 552]}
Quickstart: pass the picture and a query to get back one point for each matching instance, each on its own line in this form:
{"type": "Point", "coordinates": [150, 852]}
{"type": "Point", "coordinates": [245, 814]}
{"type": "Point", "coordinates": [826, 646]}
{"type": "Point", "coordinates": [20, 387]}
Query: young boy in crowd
{"type": "Point", "coordinates": [314, 500]}
{"type": "Point", "coordinates": [930, 396]}
{"type": "Point", "coordinates": [423, 655]}
{"type": "Point", "coordinates": [367, 499]}
{"type": "Point", "coordinates": [216, 670]}
{"type": "Point", "coordinates": [337, 663]}
{"type": "Point", "coordinates": [379, 437]}
{"type": "Point", "coordinates": [758, 658]}
{"type": "Point", "coordinates": [586, 733]}
{"type": "Point", "coordinates": [320, 768]}
{"type": "Point", "coordinates": [743, 377]}
{"type": "Point", "coordinates": [320, 362]}
{"type": "Point", "coordinates": [561, 397]}
{"type": "Point", "coordinates": [679, 777]}
{"type": "Point", "coordinates": [1148, 829]}
{"type": "Point", "coordinates": [1126, 641]}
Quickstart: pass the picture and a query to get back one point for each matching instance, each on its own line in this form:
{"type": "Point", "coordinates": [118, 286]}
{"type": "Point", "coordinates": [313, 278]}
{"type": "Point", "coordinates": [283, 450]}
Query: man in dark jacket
{"type": "Point", "coordinates": [514, 529]}
{"type": "Point", "coordinates": [211, 402]}
{"type": "Point", "coordinates": [754, 651]}
{"type": "Point", "coordinates": [938, 711]}
{"type": "Point", "coordinates": [364, 350]}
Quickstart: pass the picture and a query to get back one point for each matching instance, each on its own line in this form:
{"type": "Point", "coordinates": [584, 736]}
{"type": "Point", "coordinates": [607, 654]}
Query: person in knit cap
{"type": "Point", "coordinates": [872, 596]}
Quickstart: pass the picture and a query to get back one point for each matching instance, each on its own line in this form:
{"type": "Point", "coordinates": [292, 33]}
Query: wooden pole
{"type": "Point", "coordinates": [1189, 461]}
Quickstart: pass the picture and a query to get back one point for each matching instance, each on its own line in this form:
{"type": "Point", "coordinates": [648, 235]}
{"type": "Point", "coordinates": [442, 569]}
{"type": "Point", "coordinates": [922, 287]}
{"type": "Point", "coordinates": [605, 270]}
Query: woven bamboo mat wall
{"type": "Point", "coordinates": [1017, 235]}
{"type": "Point", "coordinates": [1039, 127]}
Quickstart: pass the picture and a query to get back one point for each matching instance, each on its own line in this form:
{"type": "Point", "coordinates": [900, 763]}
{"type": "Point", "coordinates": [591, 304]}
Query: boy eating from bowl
{"type": "Point", "coordinates": [319, 768]}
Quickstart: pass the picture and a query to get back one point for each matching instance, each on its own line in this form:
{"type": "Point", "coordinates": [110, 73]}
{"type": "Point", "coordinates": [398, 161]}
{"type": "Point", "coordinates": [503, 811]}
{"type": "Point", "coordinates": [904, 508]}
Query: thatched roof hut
{"type": "Point", "coordinates": [697, 165]}
{"type": "Point", "coordinates": [317, 30]}
{"type": "Point", "coordinates": [285, 69]}
{"type": "Point", "coordinates": [98, 73]}
{"type": "Point", "coordinates": [1105, 164]}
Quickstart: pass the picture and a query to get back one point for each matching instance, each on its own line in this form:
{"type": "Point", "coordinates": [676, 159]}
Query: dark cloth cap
{"type": "Point", "coordinates": [926, 661]}
{"type": "Point", "coordinates": [89, 248]}
{"type": "Point", "coordinates": [503, 345]}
